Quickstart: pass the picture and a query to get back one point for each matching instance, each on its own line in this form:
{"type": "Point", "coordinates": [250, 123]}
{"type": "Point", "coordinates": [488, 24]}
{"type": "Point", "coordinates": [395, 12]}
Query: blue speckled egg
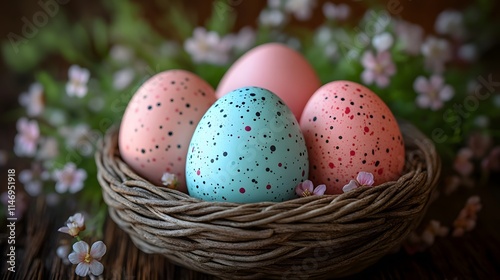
{"type": "Point", "coordinates": [248, 147]}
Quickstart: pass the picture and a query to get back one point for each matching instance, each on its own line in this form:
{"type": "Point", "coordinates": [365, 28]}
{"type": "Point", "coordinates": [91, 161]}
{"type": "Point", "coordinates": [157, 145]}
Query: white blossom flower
{"type": "Point", "coordinates": [208, 46]}
{"type": "Point", "coordinates": [302, 9]}
{"type": "Point", "coordinates": [378, 68]}
{"type": "Point", "coordinates": [121, 53]}
{"type": "Point", "coordinates": [78, 79]}
{"type": "Point", "coordinates": [63, 252]}
{"type": "Point", "coordinates": [69, 178]}
{"type": "Point", "coordinates": [271, 17]}
{"type": "Point", "coordinates": [243, 40]}
{"type": "Point", "coordinates": [49, 148]}
{"type": "Point", "coordinates": [33, 100]}
{"type": "Point", "coordinates": [363, 179]}
{"type": "Point", "coordinates": [432, 92]}
{"type": "Point", "coordinates": [336, 12]}
{"type": "Point", "coordinates": [410, 35]}
{"type": "Point", "coordinates": [274, 3]}
{"type": "Point", "coordinates": [27, 137]}
{"type": "Point", "coordinates": [169, 180]}
{"type": "Point", "coordinates": [467, 52]}
{"type": "Point", "coordinates": [382, 42]}
{"type": "Point", "coordinates": [436, 52]}
{"type": "Point", "coordinates": [33, 179]}
{"type": "Point", "coordinates": [87, 259]}
{"type": "Point", "coordinates": [77, 137]}
{"type": "Point", "coordinates": [450, 22]}
{"type": "Point", "coordinates": [74, 225]}
{"type": "Point", "coordinates": [122, 78]}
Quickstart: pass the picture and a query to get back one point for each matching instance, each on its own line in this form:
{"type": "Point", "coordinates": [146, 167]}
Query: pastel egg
{"type": "Point", "coordinates": [349, 129]}
{"type": "Point", "coordinates": [248, 147]}
{"type": "Point", "coordinates": [159, 122]}
{"type": "Point", "coordinates": [275, 67]}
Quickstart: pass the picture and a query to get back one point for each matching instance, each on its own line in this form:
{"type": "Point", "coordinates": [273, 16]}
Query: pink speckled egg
{"type": "Point", "coordinates": [349, 129]}
{"type": "Point", "coordinates": [159, 122]}
{"type": "Point", "coordinates": [277, 68]}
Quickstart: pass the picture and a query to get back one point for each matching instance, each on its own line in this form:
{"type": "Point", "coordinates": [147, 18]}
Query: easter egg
{"type": "Point", "coordinates": [277, 68]}
{"type": "Point", "coordinates": [248, 147]}
{"type": "Point", "coordinates": [158, 123]}
{"type": "Point", "coordinates": [349, 129]}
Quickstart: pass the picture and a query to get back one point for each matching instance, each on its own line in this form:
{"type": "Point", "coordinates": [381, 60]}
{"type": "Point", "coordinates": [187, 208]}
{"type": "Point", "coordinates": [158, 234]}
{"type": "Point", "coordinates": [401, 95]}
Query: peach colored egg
{"type": "Point", "coordinates": [277, 68]}
{"type": "Point", "coordinates": [349, 129]}
{"type": "Point", "coordinates": [159, 122]}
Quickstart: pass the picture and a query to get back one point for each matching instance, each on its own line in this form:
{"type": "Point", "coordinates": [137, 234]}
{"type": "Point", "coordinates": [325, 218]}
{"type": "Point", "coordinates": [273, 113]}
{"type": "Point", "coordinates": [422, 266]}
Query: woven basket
{"type": "Point", "coordinates": [306, 238]}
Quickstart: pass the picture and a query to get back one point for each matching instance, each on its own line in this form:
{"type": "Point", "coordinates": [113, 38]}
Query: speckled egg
{"type": "Point", "coordinates": [275, 67]}
{"type": "Point", "coordinates": [248, 147]}
{"type": "Point", "coordinates": [349, 129]}
{"type": "Point", "coordinates": [159, 122]}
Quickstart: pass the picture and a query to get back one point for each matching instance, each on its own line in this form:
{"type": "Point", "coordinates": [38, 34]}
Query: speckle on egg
{"type": "Point", "coordinates": [248, 147]}
{"type": "Point", "coordinates": [361, 132]}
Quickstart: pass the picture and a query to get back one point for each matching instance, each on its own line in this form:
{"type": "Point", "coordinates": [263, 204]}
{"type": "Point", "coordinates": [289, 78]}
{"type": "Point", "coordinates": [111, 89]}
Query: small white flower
{"type": "Point", "coordinates": [274, 3]}
{"type": "Point", "coordinates": [27, 137]}
{"type": "Point", "coordinates": [323, 35]}
{"type": "Point", "coordinates": [77, 137]}
{"type": "Point", "coordinates": [74, 225]}
{"type": "Point", "coordinates": [336, 12]}
{"type": "Point", "coordinates": [123, 78]}
{"type": "Point", "coordinates": [244, 39]}
{"type": "Point", "coordinates": [33, 100]}
{"type": "Point", "coordinates": [49, 148]}
{"type": "Point", "coordinates": [63, 252]}
{"type": "Point", "coordinates": [432, 92]}
{"type": "Point", "coordinates": [56, 117]}
{"type": "Point", "coordinates": [467, 52]}
{"type": "Point", "coordinates": [436, 52]}
{"type": "Point", "coordinates": [450, 22]}
{"type": "Point", "coordinates": [69, 178]}
{"type": "Point", "coordinates": [302, 9]}
{"type": "Point", "coordinates": [78, 79]}
{"type": "Point", "coordinates": [272, 18]}
{"type": "Point", "coordinates": [382, 42]}
{"type": "Point", "coordinates": [169, 180]}
{"type": "Point", "coordinates": [410, 35]}
{"type": "Point", "coordinates": [482, 121]}
{"type": "Point", "coordinates": [33, 178]}
{"type": "Point", "coordinates": [121, 53]}
{"type": "Point", "coordinates": [378, 68]}
{"type": "Point", "coordinates": [87, 259]}
{"type": "Point", "coordinates": [208, 46]}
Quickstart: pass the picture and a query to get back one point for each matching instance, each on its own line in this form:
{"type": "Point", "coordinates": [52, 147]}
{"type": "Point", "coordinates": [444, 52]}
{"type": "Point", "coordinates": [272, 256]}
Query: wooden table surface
{"type": "Point", "coordinates": [473, 256]}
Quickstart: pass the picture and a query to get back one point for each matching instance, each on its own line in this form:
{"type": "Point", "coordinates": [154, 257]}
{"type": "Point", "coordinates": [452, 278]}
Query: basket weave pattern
{"type": "Point", "coordinates": [311, 237]}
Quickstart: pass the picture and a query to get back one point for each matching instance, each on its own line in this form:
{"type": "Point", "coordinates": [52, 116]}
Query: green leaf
{"type": "Point", "coordinates": [222, 18]}
{"type": "Point", "coordinates": [50, 86]}
{"type": "Point", "coordinates": [100, 36]}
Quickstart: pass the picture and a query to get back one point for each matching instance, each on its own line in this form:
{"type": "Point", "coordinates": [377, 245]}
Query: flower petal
{"type": "Point", "coordinates": [420, 85]}
{"type": "Point", "coordinates": [98, 250]}
{"type": "Point", "coordinates": [96, 268]}
{"type": "Point", "coordinates": [365, 178]}
{"type": "Point", "coordinates": [82, 269]}
{"type": "Point", "coordinates": [75, 258]}
{"type": "Point", "coordinates": [349, 187]}
{"type": "Point", "coordinates": [64, 230]}
{"type": "Point", "coordinates": [319, 190]}
{"type": "Point", "coordinates": [81, 247]}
